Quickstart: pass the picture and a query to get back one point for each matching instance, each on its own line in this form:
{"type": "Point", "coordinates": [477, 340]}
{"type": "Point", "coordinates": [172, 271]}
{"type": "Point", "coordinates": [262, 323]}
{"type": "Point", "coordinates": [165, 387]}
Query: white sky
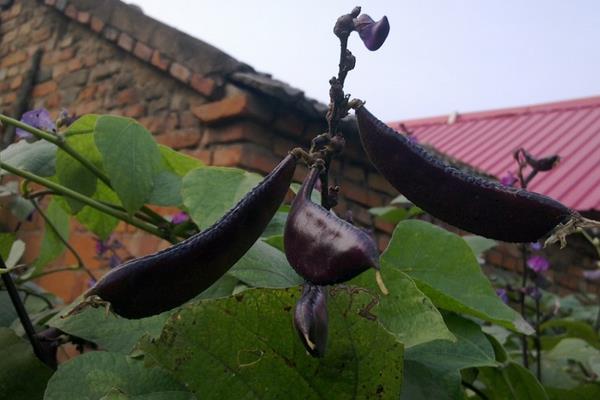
{"type": "Point", "coordinates": [441, 56]}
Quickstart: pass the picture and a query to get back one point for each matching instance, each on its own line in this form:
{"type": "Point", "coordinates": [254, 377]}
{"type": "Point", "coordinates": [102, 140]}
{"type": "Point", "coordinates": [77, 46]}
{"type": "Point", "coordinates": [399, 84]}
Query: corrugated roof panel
{"type": "Point", "coordinates": [487, 140]}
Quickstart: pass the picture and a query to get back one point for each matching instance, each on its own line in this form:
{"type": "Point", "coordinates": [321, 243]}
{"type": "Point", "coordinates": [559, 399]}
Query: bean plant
{"type": "Point", "coordinates": [234, 309]}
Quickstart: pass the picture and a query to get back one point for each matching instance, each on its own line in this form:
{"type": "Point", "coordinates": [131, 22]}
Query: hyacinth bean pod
{"type": "Point", "coordinates": [321, 247]}
{"type": "Point", "coordinates": [164, 280]}
{"type": "Point", "coordinates": [311, 319]}
{"type": "Point", "coordinates": [469, 202]}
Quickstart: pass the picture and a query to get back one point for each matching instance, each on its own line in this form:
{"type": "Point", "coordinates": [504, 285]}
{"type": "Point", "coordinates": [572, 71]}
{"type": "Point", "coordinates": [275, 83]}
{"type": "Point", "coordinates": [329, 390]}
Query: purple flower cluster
{"type": "Point", "coordinates": [539, 264]}
{"type": "Point", "coordinates": [106, 250]}
{"type": "Point", "coordinates": [180, 218]}
{"type": "Point", "coordinates": [40, 119]}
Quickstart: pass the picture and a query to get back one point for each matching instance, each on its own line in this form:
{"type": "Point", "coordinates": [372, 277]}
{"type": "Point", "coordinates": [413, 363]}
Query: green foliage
{"type": "Point", "coordinates": [130, 157]}
{"type": "Point", "coordinates": [446, 270]}
{"type": "Point", "coordinates": [263, 358]}
{"type": "Point", "coordinates": [105, 375]}
{"type": "Point", "coordinates": [97, 222]}
{"type": "Point", "coordinates": [511, 381]}
{"type": "Point", "coordinates": [38, 157]}
{"type": "Point", "coordinates": [210, 192]}
{"type": "Point", "coordinates": [52, 244]}
{"type": "Point", "coordinates": [22, 375]}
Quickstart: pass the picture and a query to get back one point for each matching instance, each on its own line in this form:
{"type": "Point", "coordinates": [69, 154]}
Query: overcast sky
{"type": "Point", "coordinates": [441, 56]}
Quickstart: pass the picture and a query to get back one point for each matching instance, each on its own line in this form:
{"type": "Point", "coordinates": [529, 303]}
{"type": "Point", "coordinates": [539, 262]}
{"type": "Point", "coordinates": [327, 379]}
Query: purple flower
{"type": "Point", "coordinates": [538, 264]}
{"type": "Point", "coordinates": [509, 179]}
{"type": "Point", "coordinates": [535, 246]}
{"type": "Point", "coordinates": [180, 217]}
{"type": "Point", "coordinates": [533, 292]}
{"type": "Point", "coordinates": [114, 261]}
{"type": "Point", "coordinates": [40, 119]}
{"type": "Point", "coordinates": [102, 246]}
{"type": "Point", "coordinates": [593, 276]}
{"type": "Point", "coordinates": [502, 294]}
{"type": "Point", "coordinates": [372, 33]}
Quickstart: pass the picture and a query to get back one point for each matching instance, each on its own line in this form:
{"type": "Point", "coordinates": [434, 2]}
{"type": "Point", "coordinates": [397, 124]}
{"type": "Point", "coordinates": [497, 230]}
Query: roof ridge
{"type": "Point", "coordinates": [549, 107]}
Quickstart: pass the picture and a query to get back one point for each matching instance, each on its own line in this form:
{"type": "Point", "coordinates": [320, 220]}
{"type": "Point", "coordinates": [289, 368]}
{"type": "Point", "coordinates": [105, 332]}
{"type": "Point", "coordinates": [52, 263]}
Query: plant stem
{"type": "Point", "coordinates": [85, 199]}
{"type": "Point", "coordinates": [64, 145]}
{"type": "Point", "coordinates": [524, 343]}
{"type": "Point", "coordinates": [474, 389]}
{"type": "Point", "coordinates": [21, 312]}
{"type": "Point", "coordinates": [537, 340]}
{"type": "Point", "coordinates": [50, 224]}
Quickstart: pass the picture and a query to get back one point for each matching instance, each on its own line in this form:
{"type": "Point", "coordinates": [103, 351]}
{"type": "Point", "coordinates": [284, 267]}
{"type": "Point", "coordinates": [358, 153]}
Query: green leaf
{"type": "Point", "coordinates": [562, 366]}
{"type": "Point", "coordinates": [275, 241]}
{"type": "Point", "coordinates": [107, 330]}
{"type": "Point", "coordinates": [406, 312]}
{"type": "Point", "coordinates": [84, 124]}
{"type": "Point", "coordinates": [96, 221]}
{"type": "Point", "coordinates": [177, 162]}
{"type": "Point", "coordinates": [7, 311]}
{"type": "Point", "coordinates": [265, 267]}
{"type": "Point", "coordinates": [511, 382]}
{"type": "Point", "coordinates": [39, 157]}
{"type": "Point", "coordinates": [22, 375]}
{"type": "Point", "coordinates": [167, 190]}
{"type": "Point", "coordinates": [104, 375]}
{"type": "Point", "coordinates": [389, 214]}
{"type": "Point", "coordinates": [130, 157]}
{"type": "Point", "coordinates": [210, 192]}
{"type": "Point", "coordinates": [224, 287]}
{"type": "Point", "coordinates": [6, 242]}
{"type": "Point", "coordinates": [446, 270]}
{"type": "Point", "coordinates": [588, 391]}
{"type": "Point", "coordinates": [246, 347]}
{"type": "Point", "coordinates": [433, 369]}
{"type": "Point", "coordinates": [16, 252]}
{"type": "Point", "coordinates": [72, 174]}
{"type": "Point", "coordinates": [276, 225]}
{"type": "Point", "coordinates": [52, 246]}
{"type": "Point", "coordinates": [479, 244]}
{"type": "Point", "coordinates": [568, 328]}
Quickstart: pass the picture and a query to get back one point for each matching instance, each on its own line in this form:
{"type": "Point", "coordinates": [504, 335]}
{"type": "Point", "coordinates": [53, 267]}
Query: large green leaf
{"type": "Point", "coordinates": [84, 124]}
{"type": "Point", "coordinates": [52, 245]}
{"type": "Point", "coordinates": [277, 224]}
{"type": "Point", "coordinates": [245, 347]}
{"type": "Point", "coordinates": [177, 162]}
{"type": "Point", "coordinates": [103, 375]}
{"type": "Point", "coordinates": [563, 365]}
{"type": "Point", "coordinates": [72, 174]}
{"type": "Point", "coordinates": [568, 328]}
{"type": "Point", "coordinates": [590, 391]}
{"type": "Point", "coordinates": [446, 270]}
{"type": "Point", "coordinates": [167, 189]}
{"type": "Point", "coordinates": [210, 192]}
{"type": "Point", "coordinates": [96, 221]}
{"type": "Point", "coordinates": [22, 375]}
{"type": "Point", "coordinates": [7, 311]}
{"type": "Point", "coordinates": [433, 369]}
{"type": "Point", "coordinates": [107, 330]}
{"type": "Point", "coordinates": [266, 267]}
{"type": "Point", "coordinates": [130, 157]}
{"type": "Point", "coordinates": [479, 244]}
{"type": "Point", "coordinates": [406, 312]}
{"type": "Point", "coordinates": [38, 157]}
{"type": "Point", "coordinates": [511, 381]}
{"type": "Point", "coordinates": [6, 242]}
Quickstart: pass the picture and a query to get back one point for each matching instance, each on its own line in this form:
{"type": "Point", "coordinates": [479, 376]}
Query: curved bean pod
{"type": "Point", "coordinates": [164, 280]}
{"type": "Point", "coordinates": [311, 319]}
{"type": "Point", "coordinates": [321, 247]}
{"type": "Point", "coordinates": [471, 203]}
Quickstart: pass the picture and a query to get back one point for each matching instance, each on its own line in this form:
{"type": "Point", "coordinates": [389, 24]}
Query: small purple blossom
{"type": "Point", "coordinates": [180, 217]}
{"type": "Point", "coordinates": [114, 261]}
{"type": "Point", "coordinates": [40, 119]}
{"type": "Point", "coordinates": [501, 292]}
{"type": "Point", "coordinates": [372, 33]}
{"type": "Point", "coordinates": [535, 246]}
{"type": "Point", "coordinates": [534, 292]}
{"type": "Point", "coordinates": [102, 246]}
{"type": "Point", "coordinates": [538, 264]}
{"type": "Point", "coordinates": [509, 179]}
{"type": "Point", "coordinates": [593, 276]}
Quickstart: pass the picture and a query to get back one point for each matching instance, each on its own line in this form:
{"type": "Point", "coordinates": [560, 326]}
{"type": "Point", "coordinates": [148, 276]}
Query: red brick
{"type": "Point", "coordinates": [289, 123]}
{"type": "Point", "coordinates": [180, 72]}
{"type": "Point", "coordinates": [127, 96]}
{"type": "Point", "coordinates": [382, 242]}
{"type": "Point", "coordinates": [44, 89]}
{"type": "Point", "coordinates": [74, 65]}
{"type": "Point", "coordinates": [66, 54]}
{"type": "Point", "coordinates": [378, 182]}
{"type": "Point", "coordinates": [16, 83]}
{"type": "Point", "coordinates": [88, 92]}
{"type": "Point", "coordinates": [96, 24]}
{"type": "Point", "coordinates": [135, 111]}
{"type": "Point", "coordinates": [203, 85]}
{"type": "Point", "coordinates": [83, 17]}
{"type": "Point", "coordinates": [238, 131]}
{"type": "Point", "coordinates": [59, 70]}
{"type": "Point", "coordinates": [50, 2]}
{"type": "Point", "coordinates": [142, 51]}
{"type": "Point", "coordinates": [41, 34]}
{"type": "Point", "coordinates": [88, 107]}
{"type": "Point", "coordinates": [203, 155]}
{"type": "Point", "coordinates": [188, 120]}
{"type": "Point", "coordinates": [353, 173]}
{"type": "Point", "coordinates": [160, 61]}
{"type": "Point", "coordinates": [110, 33]}
{"type": "Point", "coordinates": [53, 101]}
{"type": "Point", "coordinates": [125, 42]}
{"type": "Point", "coordinates": [12, 12]}
{"type": "Point", "coordinates": [356, 193]}
{"type": "Point", "coordinates": [238, 105]}
{"type": "Point", "coordinates": [282, 146]}
{"type": "Point", "coordinates": [14, 58]}
{"type": "Point", "coordinates": [228, 156]}
{"type": "Point", "coordinates": [180, 138]}
{"type": "Point", "coordinates": [9, 36]}
{"type": "Point", "coordinates": [71, 11]}
{"type": "Point", "coordinates": [9, 98]}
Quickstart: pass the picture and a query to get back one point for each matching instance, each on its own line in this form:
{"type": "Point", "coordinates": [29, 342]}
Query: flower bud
{"type": "Point", "coordinates": [372, 33]}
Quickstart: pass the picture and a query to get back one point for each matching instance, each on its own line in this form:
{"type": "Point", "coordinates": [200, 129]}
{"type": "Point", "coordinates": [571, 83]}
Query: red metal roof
{"type": "Point", "coordinates": [486, 140]}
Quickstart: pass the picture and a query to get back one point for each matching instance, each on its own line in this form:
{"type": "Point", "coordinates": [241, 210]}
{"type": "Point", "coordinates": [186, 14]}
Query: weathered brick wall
{"type": "Point", "coordinates": [90, 66]}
